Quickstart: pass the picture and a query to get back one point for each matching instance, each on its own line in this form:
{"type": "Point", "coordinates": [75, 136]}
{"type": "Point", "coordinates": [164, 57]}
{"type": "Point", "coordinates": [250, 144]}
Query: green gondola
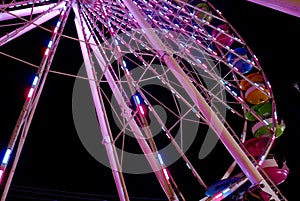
{"type": "Point", "coordinates": [263, 110]}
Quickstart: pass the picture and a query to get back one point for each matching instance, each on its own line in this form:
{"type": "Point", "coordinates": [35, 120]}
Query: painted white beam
{"type": "Point", "coordinates": [291, 7]}
{"type": "Point", "coordinates": [29, 11]}
{"type": "Point", "coordinates": [27, 27]}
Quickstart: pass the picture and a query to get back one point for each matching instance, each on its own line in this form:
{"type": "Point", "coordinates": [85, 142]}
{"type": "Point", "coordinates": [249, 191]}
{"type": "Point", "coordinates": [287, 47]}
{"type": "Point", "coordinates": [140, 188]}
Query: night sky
{"type": "Point", "coordinates": [54, 162]}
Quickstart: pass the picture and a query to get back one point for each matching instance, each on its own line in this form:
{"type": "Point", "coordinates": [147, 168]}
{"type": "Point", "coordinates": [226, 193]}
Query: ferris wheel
{"type": "Point", "coordinates": [166, 77]}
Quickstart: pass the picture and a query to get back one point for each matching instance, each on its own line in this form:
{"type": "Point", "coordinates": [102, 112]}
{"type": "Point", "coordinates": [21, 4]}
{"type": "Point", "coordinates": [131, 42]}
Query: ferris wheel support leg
{"type": "Point", "coordinates": [18, 152]}
{"type": "Point", "coordinates": [151, 157]}
{"type": "Point", "coordinates": [29, 107]}
{"type": "Point", "coordinates": [101, 116]}
{"type": "Point", "coordinates": [232, 146]}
